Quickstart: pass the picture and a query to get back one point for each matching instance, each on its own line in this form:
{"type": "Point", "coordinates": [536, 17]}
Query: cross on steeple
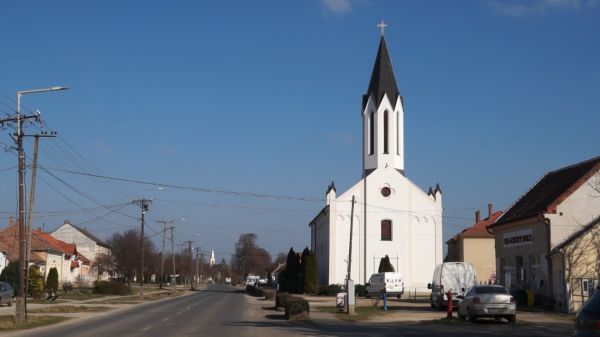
{"type": "Point", "coordinates": [382, 26]}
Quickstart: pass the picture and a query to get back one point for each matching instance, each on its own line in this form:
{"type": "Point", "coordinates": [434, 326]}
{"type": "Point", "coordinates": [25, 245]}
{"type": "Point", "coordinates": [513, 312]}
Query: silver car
{"type": "Point", "coordinates": [6, 294]}
{"type": "Point", "coordinates": [487, 301]}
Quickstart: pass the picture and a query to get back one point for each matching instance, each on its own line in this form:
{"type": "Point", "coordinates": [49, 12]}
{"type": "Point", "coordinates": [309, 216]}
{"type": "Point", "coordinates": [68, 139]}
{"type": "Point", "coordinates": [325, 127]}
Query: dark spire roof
{"type": "Point", "coordinates": [382, 79]}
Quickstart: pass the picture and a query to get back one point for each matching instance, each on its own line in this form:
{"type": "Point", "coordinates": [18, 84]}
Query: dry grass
{"type": "Point", "coordinates": [7, 322]}
{"type": "Point", "coordinates": [67, 309]}
{"type": "Point", "coordinates": [361, 313]}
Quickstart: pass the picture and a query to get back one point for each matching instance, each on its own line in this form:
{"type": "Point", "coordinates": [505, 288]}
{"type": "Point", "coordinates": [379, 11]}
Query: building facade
{"type": "Point", "coordinates": [390, 214]}
{"type": "Point", "coordinates": [555, 208]}
{"type": "Point", "coordinates": [476, 245]}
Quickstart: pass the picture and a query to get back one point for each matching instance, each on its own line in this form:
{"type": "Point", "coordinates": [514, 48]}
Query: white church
{"type": "Point", "coordinates": [392, 215]}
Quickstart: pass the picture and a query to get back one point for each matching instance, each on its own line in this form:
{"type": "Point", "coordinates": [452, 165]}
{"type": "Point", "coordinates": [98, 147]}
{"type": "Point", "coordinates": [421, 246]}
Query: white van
{"type": "Point", "coordinates": [450, 276]}
{"type": "Point", "coordinates": [391, 282]}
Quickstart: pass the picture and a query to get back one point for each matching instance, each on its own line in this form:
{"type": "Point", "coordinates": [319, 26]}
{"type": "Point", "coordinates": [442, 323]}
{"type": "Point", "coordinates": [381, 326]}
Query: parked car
{"type": "Point", "coordinates": [587, 320]}
{"type": "Point", "coordinates": [487, 301]}
{"type": "Point", "coordinates": [391, 282]}
{"type": "Point", "coordinates": [450, 276]}
{"type": "Point", "coordinates": [6, 294]}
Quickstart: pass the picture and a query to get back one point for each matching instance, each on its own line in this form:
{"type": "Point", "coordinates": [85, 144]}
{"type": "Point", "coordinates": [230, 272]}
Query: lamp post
{"type": "Point", "coordinates": [20, 307]}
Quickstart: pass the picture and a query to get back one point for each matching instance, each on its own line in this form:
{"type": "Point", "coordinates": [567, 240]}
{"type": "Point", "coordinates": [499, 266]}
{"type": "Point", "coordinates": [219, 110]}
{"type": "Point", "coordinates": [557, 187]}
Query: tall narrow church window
{"type": "Point", "coordinates": [398, 132]}
{"type": "Point", "coordinates": [371, 132]}
{"type": "Point", "coordinates": [386, 230]}
{"type": "Point", "coordinates": [385, 132]}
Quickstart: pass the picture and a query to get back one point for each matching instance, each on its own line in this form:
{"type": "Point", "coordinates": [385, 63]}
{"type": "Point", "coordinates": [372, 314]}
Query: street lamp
{"type": "Point", "coordinates": [21, 305]}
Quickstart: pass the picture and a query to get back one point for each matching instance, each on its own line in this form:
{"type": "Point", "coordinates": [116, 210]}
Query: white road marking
{"type": "Point", "coordinates": [146, 328]}
{"type": "Point", "coordinates": [165, 319]}
{"type": "Point", "coordinates": [179, 313]}
{"type": "Point", "coordinates": [188, 308]}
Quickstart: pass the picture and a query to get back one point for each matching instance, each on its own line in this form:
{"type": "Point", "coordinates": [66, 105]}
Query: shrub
{"type": "Point", "coordinates": [330, 290]}
{"type": "Point", "coordinates": [67, 286]}
{"type": "Point", "coordinates": [254, 291]}
{"type": "Point", "coordinates": [52, 280]}
{"type": "Point", "coordinates": [280, 299]}
{"type": "Point", "coordinates": [35, 282]}
{"type": "Point", "coordinates": [297, 308]}
{"type": "Point", "coordinates": [111, 288]}
{"type": "Point", "coordinates": [360, 290]}
{"type": "Point", "coordinates": [269, 294]}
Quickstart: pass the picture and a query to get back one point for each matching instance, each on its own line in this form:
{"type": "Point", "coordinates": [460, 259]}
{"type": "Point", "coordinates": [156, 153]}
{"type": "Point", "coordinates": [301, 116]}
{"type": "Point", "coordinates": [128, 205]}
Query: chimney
{"type": "Point", "coordinates": [490, 210]}
{"type": "Point", "coordinates": [477, 216]}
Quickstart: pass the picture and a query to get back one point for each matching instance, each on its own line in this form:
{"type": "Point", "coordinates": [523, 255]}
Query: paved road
{"type": "Point", "coordinates": [225, 311]}
{"type": "Point", "coordinates": [205, 313]}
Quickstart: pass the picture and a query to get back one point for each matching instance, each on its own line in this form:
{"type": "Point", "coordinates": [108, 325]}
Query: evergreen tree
{"type": "Point", "coordinates": [52, 280]}
{"type": "Point", "coordinates": [385, 265]}
{"type": "Point", "coordinates": [292, 267]}
{"type": "Point", "coordinates": [302, 270]}
{"type": "Point", "coordinates": [286, 276]}
{"type": "Point", "coordinates": [311, 274]}
{"type": "Point", "coordinates": [10, 275]}
{"type": "Point", "coordinates": [35, 282]}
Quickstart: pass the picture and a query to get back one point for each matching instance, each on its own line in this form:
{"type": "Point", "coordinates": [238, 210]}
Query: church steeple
{"type": "Point", "coordinates": [383, 117]}
{"type": "Point", "coordinates": [382, 80]}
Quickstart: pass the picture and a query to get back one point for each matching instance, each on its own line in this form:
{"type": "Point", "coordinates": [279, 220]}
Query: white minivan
{"type": "Point", "coordinates": [391, 282]}
{"type": "Point", "coordinates": [450, 276]}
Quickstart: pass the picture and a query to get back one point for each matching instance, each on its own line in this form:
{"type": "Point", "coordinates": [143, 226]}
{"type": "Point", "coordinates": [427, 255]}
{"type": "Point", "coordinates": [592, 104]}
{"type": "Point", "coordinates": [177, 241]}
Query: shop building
{"type": "Point", "coordinates": [559, 205]}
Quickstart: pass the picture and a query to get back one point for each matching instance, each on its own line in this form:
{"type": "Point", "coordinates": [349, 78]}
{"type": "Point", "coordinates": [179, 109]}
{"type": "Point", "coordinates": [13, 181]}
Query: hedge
{"type": "Point", "coordinates": [111, 288]}
{"type": "Point", "coordinates": [280, 299]}
{"type": "Point", "coordinates": [330, 290]}
{"type": "Point", "coordinates": [296, 308]}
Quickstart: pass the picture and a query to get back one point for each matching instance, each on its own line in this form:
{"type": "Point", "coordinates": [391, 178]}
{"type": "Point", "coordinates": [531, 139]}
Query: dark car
{"type": "Point", "coordinates": [587, 320]}
{"type": "Point", "coordinates": [6, 294]}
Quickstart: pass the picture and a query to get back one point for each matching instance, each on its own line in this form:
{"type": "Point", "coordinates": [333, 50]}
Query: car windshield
{"type": "Point", "coordinates": [491, 290]}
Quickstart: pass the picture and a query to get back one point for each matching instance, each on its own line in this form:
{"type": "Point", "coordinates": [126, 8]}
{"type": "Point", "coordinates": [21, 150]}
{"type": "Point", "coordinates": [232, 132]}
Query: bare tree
{"type": "Point", "coordinates": [127, 254]}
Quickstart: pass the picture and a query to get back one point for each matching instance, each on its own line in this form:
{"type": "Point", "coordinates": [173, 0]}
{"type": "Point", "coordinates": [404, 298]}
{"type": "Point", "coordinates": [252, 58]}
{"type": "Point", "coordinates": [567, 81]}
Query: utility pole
{"type": "Point", "coordinates": [19, 119]}
{"type": "Point", "coordinates": [173, 253]}
{"type": "Point", "coordinates": [197, 262]}
{"type": "Point", "coordinates": [144, 207]}
{"type": "Point", "coordinates": [349, 282]}
{"type": "Point", "coordinates": [36, 143]}
{"type": "Point", "coordinates": [162, 251]}
{"type": "Point", "coordinates": [190, 253]}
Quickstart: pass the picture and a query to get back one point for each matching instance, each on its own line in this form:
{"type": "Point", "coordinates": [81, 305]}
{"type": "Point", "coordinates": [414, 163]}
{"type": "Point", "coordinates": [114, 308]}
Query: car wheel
{"type": "Point", "coordinates": [398, 296]}
{"type": "Point", "coordinates": [512, 319]}
{"type": "Point", "coordinates": [9, 302]}
{"type": "Point", "coordinates": [470, 317]}
{"type": "Point", "coordinates": [367, 295]}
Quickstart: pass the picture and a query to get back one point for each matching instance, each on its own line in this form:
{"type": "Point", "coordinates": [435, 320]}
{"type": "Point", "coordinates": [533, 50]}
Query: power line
{"type": "Point", "coordinates": [191, 188]}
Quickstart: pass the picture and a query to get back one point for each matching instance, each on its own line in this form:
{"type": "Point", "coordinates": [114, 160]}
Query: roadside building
{"type": "Point", "coordinates": [476, 245]}
{"type": "Point", "coordinates": [559, 205]}
{"type": "Point", "coordinates": [578, 259]}
{"type": "Point", "coordinates": [88, 245]}
{"type": "Point", "coordinates": [47, 252]}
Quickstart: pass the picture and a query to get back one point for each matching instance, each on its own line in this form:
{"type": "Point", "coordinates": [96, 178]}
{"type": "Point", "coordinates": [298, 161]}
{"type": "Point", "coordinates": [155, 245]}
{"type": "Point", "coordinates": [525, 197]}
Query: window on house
{"type": "Point", "coordinates": [371, 132]}
{"type": "Point", "coordinates": [385, 133]}
{"type": "Point", "coordinates": [386, 230]}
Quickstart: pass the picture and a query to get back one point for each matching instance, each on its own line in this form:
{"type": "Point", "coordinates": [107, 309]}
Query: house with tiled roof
{"type": "Point", "coordinates": [475, 244]}
{"type": "Point", "coordinates": [47, 252]}
{"type": "Point", "coordinates": [88, 245]}
{"type": "Point", "coordinates": [559, 205]}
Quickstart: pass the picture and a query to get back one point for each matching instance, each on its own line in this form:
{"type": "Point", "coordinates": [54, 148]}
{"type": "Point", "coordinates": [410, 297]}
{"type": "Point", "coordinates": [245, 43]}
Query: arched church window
{"type": "Point", "coordinates": [371, 132]}
{"type": "Point", "coordinates": [398, 132]}
{"type": "Point", "coordinates": [385, 133]}
{"type": "Point", "coordinates": [386, 230]}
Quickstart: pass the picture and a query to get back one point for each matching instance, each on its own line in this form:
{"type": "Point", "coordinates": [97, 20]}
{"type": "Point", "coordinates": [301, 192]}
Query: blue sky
{"type": "Point", "coordinates": [264, 97]}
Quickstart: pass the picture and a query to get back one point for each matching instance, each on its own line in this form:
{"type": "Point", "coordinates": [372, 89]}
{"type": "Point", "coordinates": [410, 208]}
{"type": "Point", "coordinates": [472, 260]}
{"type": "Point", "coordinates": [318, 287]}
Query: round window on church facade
{"type": "Point", "coordinates": [386, 191]}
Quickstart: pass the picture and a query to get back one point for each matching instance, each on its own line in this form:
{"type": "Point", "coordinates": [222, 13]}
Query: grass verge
{"type": "Point", "coordinates": [67, 309]}
{"type": "Point", "coordinates": [7, 322]}
{"type": "Point", "coordinates": [361, 313]}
